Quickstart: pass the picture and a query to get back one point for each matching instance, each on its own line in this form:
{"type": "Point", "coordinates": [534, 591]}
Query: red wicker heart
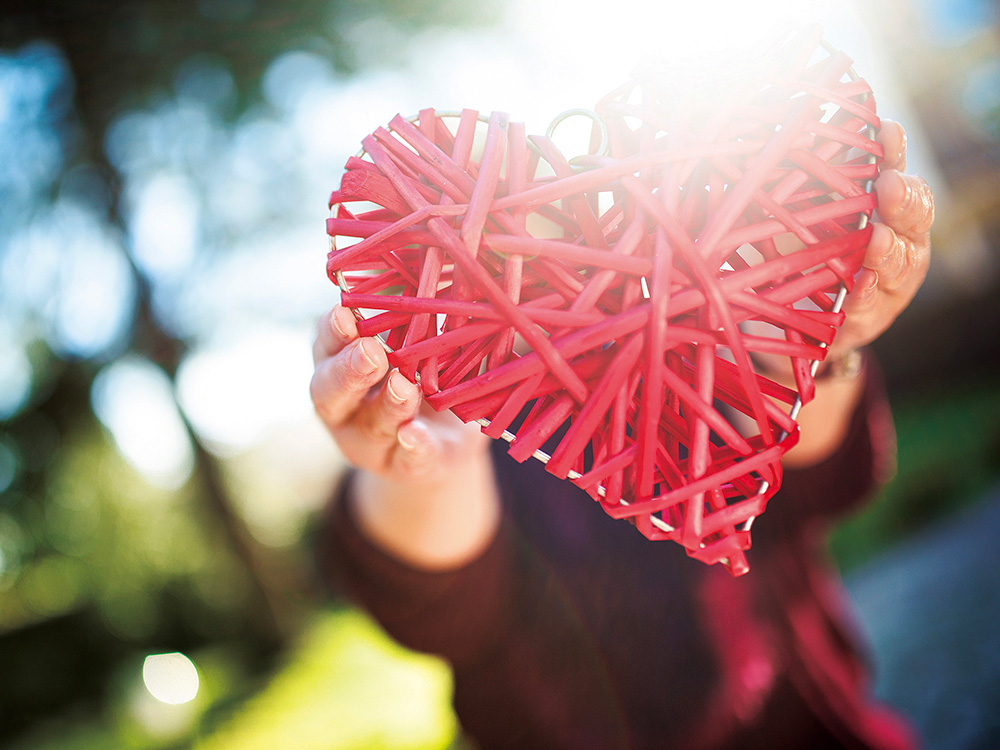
{"type": "Point", "coordinates": [638, 280]}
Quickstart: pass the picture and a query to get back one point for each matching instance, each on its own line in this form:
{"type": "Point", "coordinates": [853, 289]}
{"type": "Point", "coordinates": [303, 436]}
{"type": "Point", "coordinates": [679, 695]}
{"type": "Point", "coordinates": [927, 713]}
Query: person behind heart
{"type": "Point", "coordinates": [565, 629]}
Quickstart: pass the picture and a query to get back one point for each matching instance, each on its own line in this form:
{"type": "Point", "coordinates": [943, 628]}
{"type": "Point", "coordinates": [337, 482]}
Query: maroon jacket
{"type": "Point", "coordinates": [573, 631]}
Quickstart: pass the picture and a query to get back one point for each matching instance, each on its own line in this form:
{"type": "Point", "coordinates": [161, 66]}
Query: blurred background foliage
{"type": "Point", "coordinates": [164, 166]}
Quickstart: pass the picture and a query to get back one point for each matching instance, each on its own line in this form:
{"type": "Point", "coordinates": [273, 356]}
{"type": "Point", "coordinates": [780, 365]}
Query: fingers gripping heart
{"type": "Point", "coordinates": [609, 309]}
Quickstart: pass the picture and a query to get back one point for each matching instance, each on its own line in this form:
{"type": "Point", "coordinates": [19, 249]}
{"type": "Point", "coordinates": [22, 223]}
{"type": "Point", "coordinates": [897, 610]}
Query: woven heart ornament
{"type": "Point", "coordinates": [616, 308]}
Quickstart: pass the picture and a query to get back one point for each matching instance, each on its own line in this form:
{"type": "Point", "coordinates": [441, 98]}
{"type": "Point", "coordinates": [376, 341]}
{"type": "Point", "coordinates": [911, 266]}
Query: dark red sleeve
{"type": "Point", "coordinates": [851, 475]}
{"type": "Point", "coordinates": [456, 613]}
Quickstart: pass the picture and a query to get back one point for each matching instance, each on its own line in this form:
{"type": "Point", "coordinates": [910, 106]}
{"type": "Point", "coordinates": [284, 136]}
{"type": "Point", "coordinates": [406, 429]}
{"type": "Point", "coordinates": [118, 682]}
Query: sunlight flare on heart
{"type": "Point", "coordinates": [691, 36]}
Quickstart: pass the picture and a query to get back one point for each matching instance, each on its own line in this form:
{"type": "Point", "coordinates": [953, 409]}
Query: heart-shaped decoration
{"type": "Point", "coordinates": [643, 284]}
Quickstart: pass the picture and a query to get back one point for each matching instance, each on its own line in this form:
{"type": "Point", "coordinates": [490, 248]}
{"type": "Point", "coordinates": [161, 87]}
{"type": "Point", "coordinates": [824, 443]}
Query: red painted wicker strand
{"type": "Point", "coordinates": [636, 280]}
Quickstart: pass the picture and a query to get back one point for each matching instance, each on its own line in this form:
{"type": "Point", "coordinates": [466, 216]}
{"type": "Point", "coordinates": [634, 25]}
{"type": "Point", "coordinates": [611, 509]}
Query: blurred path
{"type": "Point", "coordinates": [931, 610]}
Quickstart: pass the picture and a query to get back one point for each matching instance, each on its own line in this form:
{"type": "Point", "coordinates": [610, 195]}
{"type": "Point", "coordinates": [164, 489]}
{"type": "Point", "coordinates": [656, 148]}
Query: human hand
{"type": "Point", "coordinates": [898, 254]}
{"type": "Point", "coordinates": [377, 416]}
{"type": "Point", "coordinates": [894, 267]}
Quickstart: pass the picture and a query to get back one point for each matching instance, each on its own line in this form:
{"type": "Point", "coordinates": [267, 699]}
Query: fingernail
{"type": "Point", "coordinates": [865, 281]}
{"type": "Point", "coordinates": [882, 242]}
{"type": "Point", "coordinates": [903, 193]}
{"type": "Point", "coordinates": [891, 191]}
{"type": "Point", "coordinates": [393, 391]}
{"type": "Point", "coordinates": [403, 442]}
{"type": "Point", "coordinates": [890, 254]}
{"type": "Point", "coordinates": [339, 319]}
{"type": "Point", "coordinates": [362, 361]}
{"type": "Point", "coordinates": [907, 192]}
{"type": "Point", "coordinates": [896, 255]}
{"type": "Point", "coordinates": [872, 282]}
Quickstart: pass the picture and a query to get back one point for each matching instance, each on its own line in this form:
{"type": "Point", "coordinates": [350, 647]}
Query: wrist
{"type": "Point", "coordinates": [824, 420]}
{"type": "Point", "coordinates": [434, 525]}
{"type": "Point", "coordinates": [845, 366]}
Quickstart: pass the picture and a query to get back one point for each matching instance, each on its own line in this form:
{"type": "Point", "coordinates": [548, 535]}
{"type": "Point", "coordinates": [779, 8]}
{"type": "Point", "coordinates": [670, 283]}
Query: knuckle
{"type": "Point", "coordinates": [894, 270]}
{"type": "Point", "coordinates": [917, 210]}
{"type": "Point", "coordinates": [348, 380]}
{"type": "Point", "coordinates": [381, 432]}
{"type": "Point", "coordinates": [380, 424]}
{"type": "Point", "coordinates": [320, 385]}
{"type": "Point", "coordinates": [926, 201]}
{"type": "Point", "coordinates": [918, 259]}
{"type": "Point", "coordinates": [335, 390]}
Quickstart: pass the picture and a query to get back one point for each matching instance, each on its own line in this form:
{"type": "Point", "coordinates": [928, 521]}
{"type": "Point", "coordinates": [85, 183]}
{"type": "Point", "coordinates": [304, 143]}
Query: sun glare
{"type": "Point", "coordinates": [636, 31]}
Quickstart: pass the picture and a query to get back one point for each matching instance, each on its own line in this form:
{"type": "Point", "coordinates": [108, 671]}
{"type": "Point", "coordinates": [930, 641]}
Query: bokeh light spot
{"type": "Point", "coordinates": [206, 80]}
{"type": "Point", "coordinates": [134, 400]}
{"type": "Point", "coordinates": [171, 678]}
{"type": "Point", "coordinates": [164, 225]}
{"type": "Point", "coordinates": [234, 393]}
{"type": "Point", "coordinates": [292, 76]}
